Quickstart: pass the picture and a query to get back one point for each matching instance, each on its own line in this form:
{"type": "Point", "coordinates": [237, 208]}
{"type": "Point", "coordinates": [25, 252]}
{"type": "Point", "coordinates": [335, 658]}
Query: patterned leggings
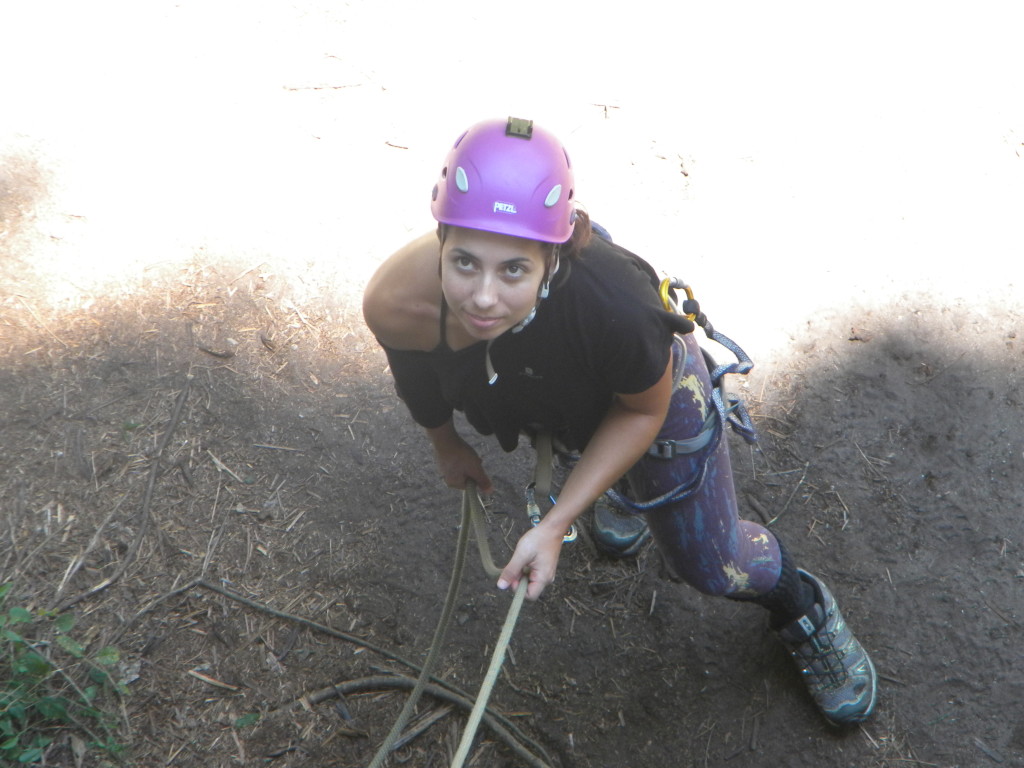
{"type": "Point", "coordinates": [702, 536]}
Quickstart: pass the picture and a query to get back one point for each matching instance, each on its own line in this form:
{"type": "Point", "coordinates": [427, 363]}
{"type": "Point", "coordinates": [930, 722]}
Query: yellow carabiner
{"type": "Point", "coordinates": [674, 282]}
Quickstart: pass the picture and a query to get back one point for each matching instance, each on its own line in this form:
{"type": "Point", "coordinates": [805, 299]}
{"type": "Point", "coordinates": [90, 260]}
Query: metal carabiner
{"type": "Point", "coordinates": [533, 511]}
{"type": "Point", "coordinates": [674, 282]}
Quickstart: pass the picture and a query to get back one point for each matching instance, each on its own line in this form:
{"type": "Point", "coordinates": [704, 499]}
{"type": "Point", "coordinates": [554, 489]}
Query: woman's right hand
{"type": "Point", "coordinates": [457, 460]}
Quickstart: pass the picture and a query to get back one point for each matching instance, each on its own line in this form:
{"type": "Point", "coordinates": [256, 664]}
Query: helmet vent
{"type": "Point", "coordinates": [553, 196]}
{"type": "Point", "coordinates": [461, 180]}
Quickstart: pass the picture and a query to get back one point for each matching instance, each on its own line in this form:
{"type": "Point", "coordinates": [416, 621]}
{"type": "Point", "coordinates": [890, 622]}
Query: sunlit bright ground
{"type": "Point", "coordinates": [833, 156]}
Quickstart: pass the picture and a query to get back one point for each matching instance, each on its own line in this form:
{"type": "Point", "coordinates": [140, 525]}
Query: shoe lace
{"type": "Point", "coordinates": [823, 659]}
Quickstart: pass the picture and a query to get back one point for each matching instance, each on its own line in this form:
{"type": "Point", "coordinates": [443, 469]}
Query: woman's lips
{"type": "Point", "coordinates": [483, 323]}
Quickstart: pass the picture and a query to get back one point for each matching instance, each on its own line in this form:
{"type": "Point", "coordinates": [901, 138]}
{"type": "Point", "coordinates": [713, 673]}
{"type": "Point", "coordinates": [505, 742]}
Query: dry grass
{"type": "Point", "coordinates": [139, 458]}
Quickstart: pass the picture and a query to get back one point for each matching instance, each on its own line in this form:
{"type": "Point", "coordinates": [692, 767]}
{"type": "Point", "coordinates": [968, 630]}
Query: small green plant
{"type": "Point", "coordinates": [43, 694]}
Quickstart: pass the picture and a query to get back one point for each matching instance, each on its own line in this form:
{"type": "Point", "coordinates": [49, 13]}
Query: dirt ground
{"type": "Point", "coordinates": [203, 460]}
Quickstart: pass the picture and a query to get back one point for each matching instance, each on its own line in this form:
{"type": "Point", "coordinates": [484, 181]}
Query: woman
{"type": "Point", "coordinates": [515, 313]}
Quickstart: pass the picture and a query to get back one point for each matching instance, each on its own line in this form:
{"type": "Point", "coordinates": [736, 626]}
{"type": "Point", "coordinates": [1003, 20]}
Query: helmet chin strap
{"type": "Point", "coordinates": [545, 287]}
{"type": "Point", "coordinates": [545, 290]}
{"type": "Point", "coordinates": [543, 293]}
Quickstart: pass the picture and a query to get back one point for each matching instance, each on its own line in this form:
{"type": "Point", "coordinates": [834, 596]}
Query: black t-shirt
{"type": "Point", "coordinates": [602, 330]}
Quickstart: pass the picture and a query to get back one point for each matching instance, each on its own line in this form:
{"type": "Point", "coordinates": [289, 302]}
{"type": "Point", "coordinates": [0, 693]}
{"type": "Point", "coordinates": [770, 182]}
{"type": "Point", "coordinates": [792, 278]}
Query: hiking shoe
{"type": "Point", "coordinates": [838, 672]}
{"type": "Point", "coordinates": [617, 532]}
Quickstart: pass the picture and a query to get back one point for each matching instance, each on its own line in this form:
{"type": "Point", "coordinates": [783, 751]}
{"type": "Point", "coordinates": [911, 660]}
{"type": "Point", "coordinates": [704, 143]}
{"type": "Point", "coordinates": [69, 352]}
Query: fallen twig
{"type": "Point", "coordinates": [322, 628]}
{"type": "Point", "coordinates": [791, 495]}
{"type": "Point", "coordinates": [846, 510]}
{"type": "Point", "coordinates": [988, 750]}
{"type": "Point", "coordinates": [220, 355]}
{"type": "Point", "coordinates": [1007, 619]}
{"type": "Point", "coordinates": [215, 537]}
{"type": "Point", "coordinates": [422, 724]}
{"type": "Point", "coordinates": [868, 461]}
{"type": "Point", "coordinates": [213, 681]}
{"type": "Point", "coordinates": [152, 604]}
{"type": "Point", "coordinates": [223, 467]}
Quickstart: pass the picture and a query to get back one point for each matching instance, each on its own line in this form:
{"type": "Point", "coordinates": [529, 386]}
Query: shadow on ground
{"type": "Point", "coordinates": [199, 469]}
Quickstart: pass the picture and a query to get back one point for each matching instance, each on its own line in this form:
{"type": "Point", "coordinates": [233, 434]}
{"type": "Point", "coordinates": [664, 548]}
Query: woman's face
{"type": "Point", "coordinates": [490, 281]}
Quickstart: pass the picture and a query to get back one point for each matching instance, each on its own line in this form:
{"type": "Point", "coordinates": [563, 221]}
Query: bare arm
{"type": "Point", "coordinates": [401, 303]}
{"type": "Point", "coordinates": [401, 306]}
{"type": "Point", "coordinates": [457, 460]}
{"type": "Point", "coordinates": [625, 433]}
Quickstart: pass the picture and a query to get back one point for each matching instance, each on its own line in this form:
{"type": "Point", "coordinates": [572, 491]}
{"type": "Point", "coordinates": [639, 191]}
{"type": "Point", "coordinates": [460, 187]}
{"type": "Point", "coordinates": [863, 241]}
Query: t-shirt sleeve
{"type": "Point", "coordinates": [627, 333]}
{"type": "Point", "coordinates": [636, 347]}
{"type": "Point", "coordinates": [419, 387]}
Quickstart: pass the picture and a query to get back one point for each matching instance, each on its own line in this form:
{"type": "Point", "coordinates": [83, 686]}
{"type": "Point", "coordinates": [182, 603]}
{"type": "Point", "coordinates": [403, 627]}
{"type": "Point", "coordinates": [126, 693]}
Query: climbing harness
{"type": "Point", "coordinates": [733, 411]}
{"type": "Point", "coordinates": [543, 444]}
{"type": "Point", "coordinates": [728, 409]}
{"type": "Point", "coordinates": [533, 511]}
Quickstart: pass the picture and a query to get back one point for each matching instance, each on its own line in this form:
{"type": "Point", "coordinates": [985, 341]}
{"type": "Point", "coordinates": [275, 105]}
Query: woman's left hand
{"type": "Point", "coordinates": [535, 558]}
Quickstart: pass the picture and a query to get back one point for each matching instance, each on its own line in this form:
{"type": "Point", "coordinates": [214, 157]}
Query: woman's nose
{"type": "Point", "coordinates": [486, 294]}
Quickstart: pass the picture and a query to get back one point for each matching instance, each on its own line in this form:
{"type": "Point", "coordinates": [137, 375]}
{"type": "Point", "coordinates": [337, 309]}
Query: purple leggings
{"type": "Point", "coordinates": [702, 536]}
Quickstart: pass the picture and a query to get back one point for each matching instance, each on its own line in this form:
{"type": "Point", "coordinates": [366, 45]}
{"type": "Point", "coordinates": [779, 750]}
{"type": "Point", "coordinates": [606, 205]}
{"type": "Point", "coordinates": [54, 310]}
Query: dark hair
{"type": "Point", "coordinates": [581, 234]}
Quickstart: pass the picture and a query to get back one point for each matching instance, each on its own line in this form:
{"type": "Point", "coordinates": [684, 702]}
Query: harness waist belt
{"type": "Point", "coordinates": [669, 449]}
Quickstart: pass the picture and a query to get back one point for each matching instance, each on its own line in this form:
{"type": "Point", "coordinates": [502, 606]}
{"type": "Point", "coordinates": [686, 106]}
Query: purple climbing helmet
{"type": "Point", "coordinates": [508, 176]}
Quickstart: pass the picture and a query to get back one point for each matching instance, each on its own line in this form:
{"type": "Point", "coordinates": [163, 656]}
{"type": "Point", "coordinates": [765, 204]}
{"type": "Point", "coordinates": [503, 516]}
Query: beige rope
{"type": "Point", "coordinates": [497, 659]}
{"type": "Point", "coordinates": [435, 646]}
{"type": "Point", "coordinates": [472, 515]}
